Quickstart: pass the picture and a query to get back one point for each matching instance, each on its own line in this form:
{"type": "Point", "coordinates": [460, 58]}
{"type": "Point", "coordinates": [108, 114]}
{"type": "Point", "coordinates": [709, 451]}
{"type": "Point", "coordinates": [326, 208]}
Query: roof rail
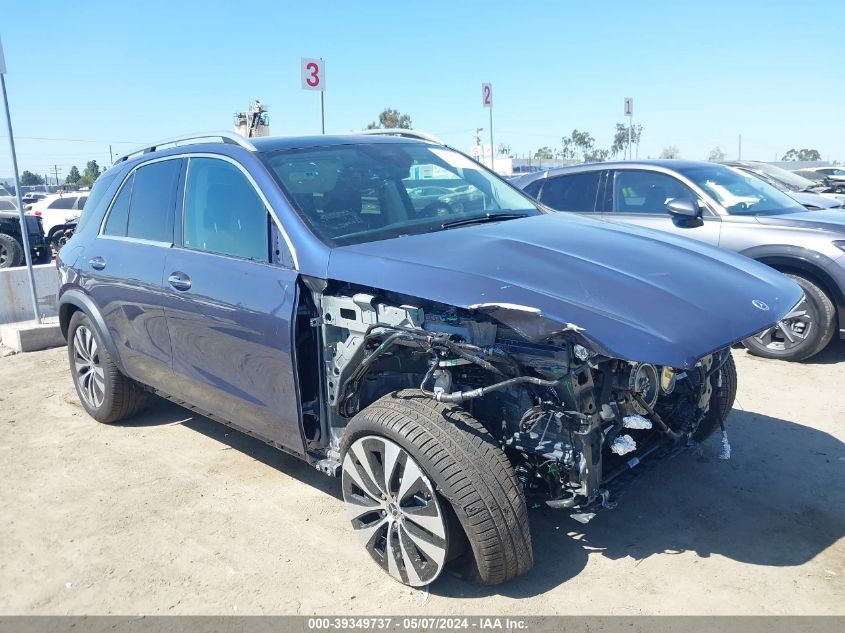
{"type": "Point", "coordinates": [231, 138]}
{"type": "Point", "coordinates": [397, 131]}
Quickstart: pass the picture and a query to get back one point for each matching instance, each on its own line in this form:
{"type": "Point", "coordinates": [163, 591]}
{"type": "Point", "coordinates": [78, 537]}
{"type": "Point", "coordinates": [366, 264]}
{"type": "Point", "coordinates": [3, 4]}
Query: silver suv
{"type": "Point", "coordinates": [725, 207]}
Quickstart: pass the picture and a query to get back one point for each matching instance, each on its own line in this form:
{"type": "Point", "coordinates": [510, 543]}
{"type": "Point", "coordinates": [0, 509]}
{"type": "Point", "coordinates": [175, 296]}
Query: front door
{"type": "Point", "coordinates": [229, 308]}
{"type": "Point", "coordinates": [641, 197]}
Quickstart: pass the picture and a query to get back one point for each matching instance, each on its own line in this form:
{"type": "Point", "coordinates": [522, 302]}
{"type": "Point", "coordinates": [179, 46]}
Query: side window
{"type": "Point", "coordinates": [572, 192]}
{"type": "Point", "coordinates": [223, 212]}
{"type": "Point", "coordinates": [636, 191]}
{"type": "Point", "coordinates": [119, 214]}
{"type": "Point", "coordinates": [153, 201]}
{"type": "Point", "coordinates": [533, 188]}
{"type": "Point", "coordinates": [65, 202]}
{"type": "Point", "coordinates": [81, 202]}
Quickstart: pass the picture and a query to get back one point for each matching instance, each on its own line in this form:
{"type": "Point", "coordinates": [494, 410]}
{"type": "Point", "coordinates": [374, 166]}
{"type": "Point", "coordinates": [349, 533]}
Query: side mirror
{"type": "Point", "coordinates": [683, 208]}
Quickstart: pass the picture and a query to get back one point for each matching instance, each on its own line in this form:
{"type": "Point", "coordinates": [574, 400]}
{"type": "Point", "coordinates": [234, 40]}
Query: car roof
{"type": "Point", "coordinates": [664, 163]}
{"type": "Point", "coordinates": [275, 143]}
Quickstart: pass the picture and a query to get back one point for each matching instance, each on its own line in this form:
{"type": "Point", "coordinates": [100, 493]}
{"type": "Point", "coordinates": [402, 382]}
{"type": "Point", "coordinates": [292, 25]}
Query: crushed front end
{"type": "Point", "coordinates": [570, 419]}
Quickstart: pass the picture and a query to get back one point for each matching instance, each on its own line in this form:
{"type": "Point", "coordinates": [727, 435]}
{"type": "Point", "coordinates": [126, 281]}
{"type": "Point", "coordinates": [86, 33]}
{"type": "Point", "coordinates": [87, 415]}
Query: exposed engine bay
{"type": "Point", "coordinates": [569, 419]}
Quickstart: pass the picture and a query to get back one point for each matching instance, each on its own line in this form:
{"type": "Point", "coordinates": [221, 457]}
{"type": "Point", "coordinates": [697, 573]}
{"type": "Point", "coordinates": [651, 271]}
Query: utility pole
{"type": "Point", "coordinates": [56, 170]}
{"type": "Point", "coordinates": [111, 156]}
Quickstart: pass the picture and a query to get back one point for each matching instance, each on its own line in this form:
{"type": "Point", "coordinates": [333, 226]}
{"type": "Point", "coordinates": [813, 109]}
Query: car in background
{"type": "Point", "coordinates": [56, 211]}
{"type": "Point", "coordinates": [725, 207]}
{"type": "Point", "coordinates": [444, 362]}
{"type": "Point", "coordinates": [833, 177]}
{"type": "Point", "coordinates": [808, 193]}
{"type": "Point", "coordinates": [11, 239]}
{"type": "Point", "coordinates": [31, 197]}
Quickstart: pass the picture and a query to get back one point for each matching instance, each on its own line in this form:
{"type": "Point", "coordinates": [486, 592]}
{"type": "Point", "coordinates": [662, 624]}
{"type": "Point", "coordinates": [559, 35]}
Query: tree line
{"type": "Point", "coordinates": [85, 179]}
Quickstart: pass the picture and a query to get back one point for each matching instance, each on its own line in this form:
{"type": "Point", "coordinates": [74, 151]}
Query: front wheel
{"type": "Point", "coordinates": [802, 333]}
{"type": "Point", "coordinates": [425, 486]}
{"type": "Point", "coordinates": [723, 384]}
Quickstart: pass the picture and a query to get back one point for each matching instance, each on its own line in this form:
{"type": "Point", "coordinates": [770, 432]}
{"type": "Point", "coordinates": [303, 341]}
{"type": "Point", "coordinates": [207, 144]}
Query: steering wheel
{"type": "Point", "coordinates": [436, 209]}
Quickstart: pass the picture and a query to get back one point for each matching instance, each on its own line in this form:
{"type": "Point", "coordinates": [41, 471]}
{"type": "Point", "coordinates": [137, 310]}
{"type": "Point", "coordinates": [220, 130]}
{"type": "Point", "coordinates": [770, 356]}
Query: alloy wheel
{"type": "Point", "coordinates": [791, 331]}
{"type": "Point", "coordinates": [4, 256]}
{"type": "Point", "coordinates": [87, 367]}
{"type": "Point", "coordinates": [394, 510]}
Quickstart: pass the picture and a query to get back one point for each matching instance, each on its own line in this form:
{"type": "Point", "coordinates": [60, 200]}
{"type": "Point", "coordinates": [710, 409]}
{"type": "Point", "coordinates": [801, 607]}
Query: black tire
{"type": "Point", "coordinates": [11, 251]}
{"type": "Point", "coordinates": [469, 471]}
{"type": "Point", "coordinates": [121, 397]}
{"type": "Point", "coordinates": [721, 401]}
{"type": "Point", "coordinates": [822, 326]}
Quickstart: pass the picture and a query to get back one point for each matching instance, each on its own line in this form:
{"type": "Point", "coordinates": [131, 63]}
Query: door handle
{"type": "Point", "coordinates": [97, 263]}
{"type": "Point", "coordinates": [180, 281]}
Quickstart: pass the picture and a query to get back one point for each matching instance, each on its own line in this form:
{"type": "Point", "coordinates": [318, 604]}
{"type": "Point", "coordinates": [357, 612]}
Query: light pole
{"type": "Point", "coordinates": [24, 231]}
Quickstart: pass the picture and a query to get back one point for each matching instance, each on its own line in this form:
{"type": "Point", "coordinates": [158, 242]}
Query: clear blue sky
{"type": "Point", "coordinates": [699, 73]}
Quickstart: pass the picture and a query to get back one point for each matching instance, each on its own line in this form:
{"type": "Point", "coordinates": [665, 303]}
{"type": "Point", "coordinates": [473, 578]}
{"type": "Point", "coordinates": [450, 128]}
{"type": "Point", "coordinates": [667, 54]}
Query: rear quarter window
{"type": "Point", "coordinates": [101, 187]}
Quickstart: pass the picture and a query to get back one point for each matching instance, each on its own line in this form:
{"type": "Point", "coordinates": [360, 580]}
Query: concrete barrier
{"type": "Point", "coordinates": [15, 302]}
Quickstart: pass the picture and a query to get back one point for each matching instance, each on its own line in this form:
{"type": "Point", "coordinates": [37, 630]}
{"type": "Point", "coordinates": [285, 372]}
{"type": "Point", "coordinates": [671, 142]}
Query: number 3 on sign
{"type": "Point", "coordinates": [313, 74]}
{"type": "Point", "coordinates": [487, 95]}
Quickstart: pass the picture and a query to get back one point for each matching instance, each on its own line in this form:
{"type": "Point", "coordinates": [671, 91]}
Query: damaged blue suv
{"type": "Point", "coordinates": [393, 313]}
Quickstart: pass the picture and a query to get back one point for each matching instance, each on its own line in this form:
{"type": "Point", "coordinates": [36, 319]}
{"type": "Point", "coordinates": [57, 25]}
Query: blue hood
{"type": "Point", "coordinates": [626, 292]}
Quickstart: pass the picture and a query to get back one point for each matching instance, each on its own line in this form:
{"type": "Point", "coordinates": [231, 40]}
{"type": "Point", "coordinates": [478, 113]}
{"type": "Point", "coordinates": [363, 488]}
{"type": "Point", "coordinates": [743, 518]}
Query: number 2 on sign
{"type": "Point", "coordinates": [313, 79]}
{"type": "Point", "coordinates": [487, 95]}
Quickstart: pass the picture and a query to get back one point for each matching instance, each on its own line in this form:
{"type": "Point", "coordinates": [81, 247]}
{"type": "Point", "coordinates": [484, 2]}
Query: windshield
{"type": "Point", "coordinates": [362, 192]}
{"type": "Point", "coordinates": [741, 193]}
{"type": "Point", "coordinates": [790, 179]}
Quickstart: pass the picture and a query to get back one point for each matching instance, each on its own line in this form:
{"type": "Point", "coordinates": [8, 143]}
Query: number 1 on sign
{"type": "Point", "coordinates": [487, 95]}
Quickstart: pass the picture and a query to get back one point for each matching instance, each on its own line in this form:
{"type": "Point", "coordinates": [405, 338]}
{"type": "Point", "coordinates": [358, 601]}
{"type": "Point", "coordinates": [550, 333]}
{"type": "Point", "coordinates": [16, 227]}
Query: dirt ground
{"type": "Point", "coordinates": [172, 513]}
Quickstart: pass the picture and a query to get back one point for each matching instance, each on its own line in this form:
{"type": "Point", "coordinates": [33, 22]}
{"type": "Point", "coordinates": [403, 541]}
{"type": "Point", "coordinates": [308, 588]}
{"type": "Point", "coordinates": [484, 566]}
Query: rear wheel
{"type": "Point", "coordinates": [105, 393]}
{"type": "Point", "coordinates": [802, 333]}
{"type": "Point", "coordinates": [424, 484]}
{"type": "Point", "coordinates": [11, 251]}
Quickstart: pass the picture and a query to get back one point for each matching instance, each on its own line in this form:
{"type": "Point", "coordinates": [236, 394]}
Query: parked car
{"type": "Point", "coordinates": [31, 197]}
{"type": "Point", "coordinates": [56, 208]}
{"type": "Point", "coordinates": [808, 193]}
{"type": "Point", "coordinates": [833, 177]}
{"type": "Point", "coordinates": [724, 207]}
{"type": "Point", "coordinates": [445, 364]}
{"type": "Point", "coordinates": [11, 240]}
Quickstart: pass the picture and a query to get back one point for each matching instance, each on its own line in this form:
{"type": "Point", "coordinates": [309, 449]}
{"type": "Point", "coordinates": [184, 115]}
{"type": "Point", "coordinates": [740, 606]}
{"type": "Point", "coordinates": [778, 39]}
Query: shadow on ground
{"type": "Point", "coordinates": [779, 501]}
{"type": "Point", "coordinates": [162, 412]}
{"type": "Point", "coordinates": [830, 355]}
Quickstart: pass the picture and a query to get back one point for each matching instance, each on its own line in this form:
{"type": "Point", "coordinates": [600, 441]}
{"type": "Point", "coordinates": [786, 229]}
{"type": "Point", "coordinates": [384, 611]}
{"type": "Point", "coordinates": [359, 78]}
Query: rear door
{"type": "Point", "coordinates": [123, 269]}
{"type": "Point", "coordinates": [229, 307]}
{"type": "Point", "coordinates": [572, 192]}
{"type": "Point", "coordinates": [639, 196]}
